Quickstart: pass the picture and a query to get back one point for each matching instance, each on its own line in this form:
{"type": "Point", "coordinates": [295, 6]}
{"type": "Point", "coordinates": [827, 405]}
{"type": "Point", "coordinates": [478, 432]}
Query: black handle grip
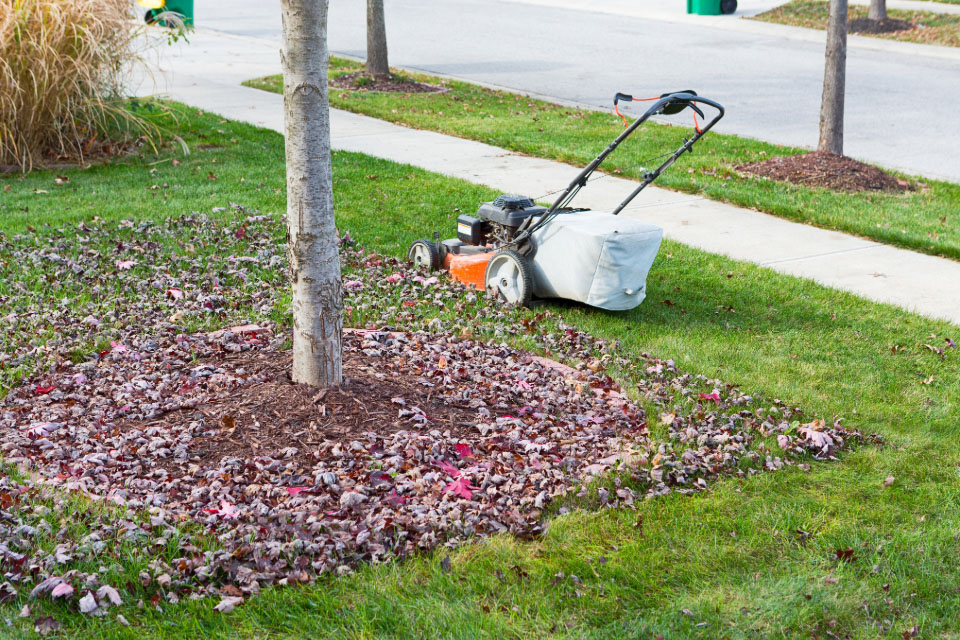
{"type": "Point", "coordinates": [622, 96]}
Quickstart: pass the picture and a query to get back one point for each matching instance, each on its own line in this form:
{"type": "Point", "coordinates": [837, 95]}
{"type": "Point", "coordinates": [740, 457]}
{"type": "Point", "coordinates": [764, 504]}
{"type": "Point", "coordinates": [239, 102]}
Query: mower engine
{"type": "Point", "coordinates": [496, 222]}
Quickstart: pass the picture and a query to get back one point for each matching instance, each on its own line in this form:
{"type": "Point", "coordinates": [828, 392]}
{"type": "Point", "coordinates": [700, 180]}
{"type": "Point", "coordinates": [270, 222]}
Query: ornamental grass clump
{"type": "Point", "coordinates": [62, 66]}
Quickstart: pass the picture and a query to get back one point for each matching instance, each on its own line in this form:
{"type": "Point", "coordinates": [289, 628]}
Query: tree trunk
{"type": "Point", "coordinates": [376, 40]}
{"type": "Point", "coordinates": [834, 80]}
{"type": "Point", "coordinates": [311, 232]}
{"type": "Point", "coordinates": [878, 10]}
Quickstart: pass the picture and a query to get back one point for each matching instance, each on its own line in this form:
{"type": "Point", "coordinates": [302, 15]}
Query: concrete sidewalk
{"type": "Point", "coordinates": [207, 73]}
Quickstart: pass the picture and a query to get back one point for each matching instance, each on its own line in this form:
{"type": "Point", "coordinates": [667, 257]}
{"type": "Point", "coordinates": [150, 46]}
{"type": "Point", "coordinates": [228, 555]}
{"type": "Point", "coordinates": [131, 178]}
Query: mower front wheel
{"type": "Point", "coordinates": [508, 277]}
{"type": "Point", "coordinates": [424, 253]}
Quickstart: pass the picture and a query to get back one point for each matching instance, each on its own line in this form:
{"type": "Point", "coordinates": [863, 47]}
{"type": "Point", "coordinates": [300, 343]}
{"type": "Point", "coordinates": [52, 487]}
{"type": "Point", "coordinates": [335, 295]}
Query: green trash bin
{"type": "Point", "coordinates": [182, 7]}
{"type": "Point", "coordinates": [711, 7]}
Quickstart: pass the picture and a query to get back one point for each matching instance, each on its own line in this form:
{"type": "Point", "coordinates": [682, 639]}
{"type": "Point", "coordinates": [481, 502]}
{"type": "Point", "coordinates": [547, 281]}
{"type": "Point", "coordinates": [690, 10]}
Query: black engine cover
{"type": "Point", "coordinates": [509, 210]}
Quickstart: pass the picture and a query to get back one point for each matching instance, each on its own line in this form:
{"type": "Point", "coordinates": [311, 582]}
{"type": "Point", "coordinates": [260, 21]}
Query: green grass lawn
{"type": "Point", "coordinates": [927, 219]}
{"type": "Point", "coordinates": [935, 28]}
{"type": "Point", "coordinates": [730, 563]}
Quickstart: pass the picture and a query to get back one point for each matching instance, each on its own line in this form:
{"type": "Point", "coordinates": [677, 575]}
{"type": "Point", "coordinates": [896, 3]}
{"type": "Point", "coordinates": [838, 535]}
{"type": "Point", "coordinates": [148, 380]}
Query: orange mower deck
{"type": "Point", "coordinates": [470, 270]}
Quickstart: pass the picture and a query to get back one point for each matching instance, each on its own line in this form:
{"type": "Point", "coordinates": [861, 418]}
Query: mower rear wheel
{"type": "Point", "coordinates": [424, 253]}
{"type": "Point", "coordinates": [508, 277]}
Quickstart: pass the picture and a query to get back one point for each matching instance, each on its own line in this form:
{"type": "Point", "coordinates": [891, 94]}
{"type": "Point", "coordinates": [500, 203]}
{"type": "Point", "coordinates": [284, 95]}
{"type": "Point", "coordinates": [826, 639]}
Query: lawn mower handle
{"type": "Point", "coordinates": [689, 99]}
{"type": "Point", "coordinates": [680, 99]}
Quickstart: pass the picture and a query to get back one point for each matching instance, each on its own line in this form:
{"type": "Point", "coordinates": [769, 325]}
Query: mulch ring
{"type": "Point", "coordinates": [890, 25]}
{"type": "Point", "coordinates": [361, 81]}
{"type": "Point", "coordinates": [827, 170]}
{"type": "Point", "coordinates": [274, 413]}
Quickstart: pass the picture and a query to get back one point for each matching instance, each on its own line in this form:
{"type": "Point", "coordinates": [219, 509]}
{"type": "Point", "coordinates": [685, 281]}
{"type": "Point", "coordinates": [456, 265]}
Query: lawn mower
{"type": "Point", "coordinates": [518, 251]}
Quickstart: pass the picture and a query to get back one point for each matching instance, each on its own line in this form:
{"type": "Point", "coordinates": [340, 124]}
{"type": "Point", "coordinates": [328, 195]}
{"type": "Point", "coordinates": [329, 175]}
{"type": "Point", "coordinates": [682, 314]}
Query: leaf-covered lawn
{"type": "Point", "coordinates": [837, 550]}
{"type": "Point", "coordinates": [932, 28]}
{"type": "Point", "coordinates": [925, 219]}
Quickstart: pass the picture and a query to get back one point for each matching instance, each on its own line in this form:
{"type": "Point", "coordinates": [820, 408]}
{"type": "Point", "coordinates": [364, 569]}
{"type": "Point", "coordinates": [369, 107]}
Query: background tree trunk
{"type": "Point", "coordinates": [878, 10]}
{"type": "Point", "coordinates": [312, 235]}
{"type": "Point", "coordinates": [376, 40]}
{"type": "Point", "coordinates": [834, 80]}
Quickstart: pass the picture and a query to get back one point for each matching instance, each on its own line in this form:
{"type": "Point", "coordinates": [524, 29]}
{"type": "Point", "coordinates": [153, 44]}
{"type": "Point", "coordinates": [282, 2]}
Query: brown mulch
{"type": "Point", "coordinates": [275, 413]}
{"type": "Point", "coordinates": [828, 170]}
{"type": "Point", "coordinates": [393, 83]}
{"type": "Point", "coordinates": [890, 25]}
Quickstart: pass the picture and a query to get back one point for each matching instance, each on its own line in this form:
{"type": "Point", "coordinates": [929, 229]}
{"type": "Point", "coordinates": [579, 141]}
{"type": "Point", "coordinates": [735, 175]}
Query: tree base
{"type": "Point", "coordinates": [890, 25]}
{"type": "Point", "coordinates": [827, 170]}
{"type": "Point", "coordinates": [362, 81]}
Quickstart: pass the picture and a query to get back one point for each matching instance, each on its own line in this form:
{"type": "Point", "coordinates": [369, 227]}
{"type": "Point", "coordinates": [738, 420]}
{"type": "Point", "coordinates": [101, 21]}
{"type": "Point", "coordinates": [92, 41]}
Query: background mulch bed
{"type": "Point", "coordinates": [360, 81]}
{"type": "Point", "coordinates": [890, 25]}
{"type": "Point", "coordinates": [828, 170]}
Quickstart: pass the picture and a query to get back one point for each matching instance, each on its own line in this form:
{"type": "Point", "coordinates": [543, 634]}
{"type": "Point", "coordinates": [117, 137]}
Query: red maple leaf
{"type": "Point", "coordinates": [41, 390]}
{"type": "Point", "coordinates": [464, 450]}
{"type": "Point", "coordinates": [395, 499]}
{"type": "Point", "coordinates": [449, 468]}
{"type": "Point", "coordinates": [461, 487]}
{"type": "Point", "coordinates": [710, 396]}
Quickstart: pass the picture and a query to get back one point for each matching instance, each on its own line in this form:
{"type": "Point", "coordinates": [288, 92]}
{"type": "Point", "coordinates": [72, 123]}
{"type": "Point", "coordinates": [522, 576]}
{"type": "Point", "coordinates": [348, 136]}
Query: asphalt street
{"type": "Point", "coordinates": [901, 109]}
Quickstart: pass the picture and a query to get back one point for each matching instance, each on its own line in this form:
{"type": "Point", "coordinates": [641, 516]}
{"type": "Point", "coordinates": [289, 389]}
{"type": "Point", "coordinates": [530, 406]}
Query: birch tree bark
{"type": "Point", "coordinates": [376, 40]}
{"type": "Point", "coordinates": [878, 10]}
{"type": "Point", "coordinates": [834, 80]}
{"type": "Point", "coordinates": [311, 233]}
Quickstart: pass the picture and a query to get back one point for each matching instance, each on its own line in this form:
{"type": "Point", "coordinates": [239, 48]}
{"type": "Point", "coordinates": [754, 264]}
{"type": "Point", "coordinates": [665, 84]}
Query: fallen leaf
{"type": "Point", "coordinates": [45, 625]}
{"type": "Point", "coordinates": [88, 603]}
{"type": "Point", "coordinates": [449, 468]}
{"type": "Point", "coordinates": [227, 604]}
{"type": "Point", "coordinates": [231, 590]}
{"type": "Point", "coordinates": [461, 487]}
{"type": "Point", "coordinates": [7, 592]}
{"type": "Point", "coordinates": [226, 510]}
{"type": "Point", "coordinates": [845, 555]}
{"type": "Point", "coordinates": [110, 594]}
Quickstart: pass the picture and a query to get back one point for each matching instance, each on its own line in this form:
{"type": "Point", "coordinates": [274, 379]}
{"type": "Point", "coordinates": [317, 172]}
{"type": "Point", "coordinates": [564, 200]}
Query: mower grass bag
{"type": "Point", "coordinates": [596, 258]}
